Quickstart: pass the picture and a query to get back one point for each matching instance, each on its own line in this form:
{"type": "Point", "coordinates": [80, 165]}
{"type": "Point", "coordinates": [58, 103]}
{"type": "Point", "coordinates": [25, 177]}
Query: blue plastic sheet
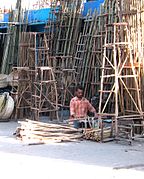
{"type": "Point", "coordinates": [41, 16]}
{"type": "Point", "coordinates": [36, 16]}
{"type": "Point", "coordinates": [92, 5]}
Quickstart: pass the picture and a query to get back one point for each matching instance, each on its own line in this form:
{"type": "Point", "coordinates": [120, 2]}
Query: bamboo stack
{"type": "Point", "coordinates": [11, 46]}
{"type": "Point", "coordinates": [34, 132]}
{"type": "Point", "coordinates": [61, 34]}
{"type": "Point", "coordinates": [62, 29]}
{"type": "Point", "coordinates": [89, 53]}
{"type": "Point", "coordinates": [3, 37]}
{"type": "Point", "coordinates": [89, 50]}
{"type": "Point", "coordinates": [95, 134]}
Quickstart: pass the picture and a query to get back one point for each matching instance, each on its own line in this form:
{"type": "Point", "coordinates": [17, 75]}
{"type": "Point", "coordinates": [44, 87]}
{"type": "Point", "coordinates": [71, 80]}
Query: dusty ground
{"type": "Point", "coordinates": [83, 159]}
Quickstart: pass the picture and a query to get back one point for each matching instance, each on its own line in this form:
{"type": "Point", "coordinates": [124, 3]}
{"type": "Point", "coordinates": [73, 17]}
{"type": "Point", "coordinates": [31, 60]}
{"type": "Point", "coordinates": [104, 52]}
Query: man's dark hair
{"type": "Point", "coordinates": [79, 87]}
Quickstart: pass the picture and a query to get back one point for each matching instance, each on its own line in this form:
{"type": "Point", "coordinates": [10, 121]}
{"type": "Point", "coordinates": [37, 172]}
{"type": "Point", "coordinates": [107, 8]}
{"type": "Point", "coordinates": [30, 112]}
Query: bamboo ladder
{"type": "Point", "coordinates": [119, 75]}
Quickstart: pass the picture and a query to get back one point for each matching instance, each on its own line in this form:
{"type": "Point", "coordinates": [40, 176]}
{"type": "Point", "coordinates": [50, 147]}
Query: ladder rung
{"type": "Point", "coordinates": [78, 58]}
{"type": "Point", "coordinates": [122, 76]}
{"type": "Point", "coordinates": [36, 96]}
{"type": "Point", "coordinates": [107, 114]}
{"type": "Point", "coordinates": [117, 24]}
{"type": "Point", "coordinates": [128, 76]}
{"type": "Point", "coordinates": [80, 51]}
{"type": "Point", "coordinates": [88, 20]}
{"type": "Point", "coordinates": [48, 81]}
{"type": "Point", "coordinates": [80, 44]}
{"type": "Point", "coordinates": [124, 127]}
{"type": "Point", "coordinates": [36, 49]}
{"type": "Point", "coordinates": [106, 91]}
{"type": "Point", "coordinates": [108, 76]}
{"type": "Point", "coordinates": [107, 83]}
{"type": "Point", "coordinates": [70, 70]}
{"type": "Point", "coordinates": [94, 51]}
{"type": "Point", "coordinates": [35, 108]}
{"type": "Point", "coordinates": [136, 65]}
{"type": "Point", "coordinates": [117, 43]}
{"type": "Point", "coordinates": [106, 68]}
{"type": "Point", "coordinates": [23, 107]}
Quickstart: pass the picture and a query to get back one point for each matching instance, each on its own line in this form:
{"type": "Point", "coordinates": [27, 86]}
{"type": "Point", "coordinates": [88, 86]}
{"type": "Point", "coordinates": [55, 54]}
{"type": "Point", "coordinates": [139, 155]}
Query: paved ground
{"type": "Point", "coordinates": [78, 160]}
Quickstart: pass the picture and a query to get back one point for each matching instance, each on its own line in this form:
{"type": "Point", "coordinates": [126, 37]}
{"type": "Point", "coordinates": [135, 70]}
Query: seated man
{"type": "Point", "coordinates": [79, 107]}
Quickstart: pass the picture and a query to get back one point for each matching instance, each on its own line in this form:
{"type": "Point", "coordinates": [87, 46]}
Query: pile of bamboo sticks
{"type": "Point", "coordinates": [33, 132]}
{"type": "Point", "coordinates": [95, 134]}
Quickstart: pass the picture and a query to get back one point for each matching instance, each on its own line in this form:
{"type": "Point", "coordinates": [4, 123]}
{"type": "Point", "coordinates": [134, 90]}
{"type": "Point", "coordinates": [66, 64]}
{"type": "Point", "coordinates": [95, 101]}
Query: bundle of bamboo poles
{"type": "Point", "coordinates": [11, 44]}
{"type": "Point", "coordinates": [90, 48]}
{"type": "Point", "coordinates": [62, 29]}
{"type": "Point", "coordinates": [33, 132]}
{"type": "Point", "coordinates": [55, 47]}
{"type": "Point", "coordinates": [95, 134]}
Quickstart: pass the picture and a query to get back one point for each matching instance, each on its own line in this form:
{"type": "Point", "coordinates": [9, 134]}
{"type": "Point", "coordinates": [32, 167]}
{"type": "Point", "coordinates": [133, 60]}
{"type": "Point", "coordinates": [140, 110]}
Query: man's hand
{"type": "Point", "coordinates": [96, 115]}
{"type": "Point", "coordinates": [72, 116]}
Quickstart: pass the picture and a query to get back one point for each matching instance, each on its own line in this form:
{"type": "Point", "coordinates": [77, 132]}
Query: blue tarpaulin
{"type": "Point", "coordinates": [36, 16]}
{"type": "Point", "coordinates": [41, 16]}
{"type": "Point", "coordinates": [6, 17]}
{"type": "Point", "coordinates": [92, 5]}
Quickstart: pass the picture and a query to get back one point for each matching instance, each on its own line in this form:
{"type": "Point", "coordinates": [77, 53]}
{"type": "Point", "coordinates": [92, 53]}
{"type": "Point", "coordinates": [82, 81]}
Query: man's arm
{"type": "Point", "coordinates": [92, 109]}
{"type": "Point", "coordinates": [72, 109]}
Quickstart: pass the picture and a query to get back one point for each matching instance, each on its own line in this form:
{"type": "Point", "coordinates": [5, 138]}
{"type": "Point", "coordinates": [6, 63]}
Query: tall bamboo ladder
{"type": "Point", "coordinates": [83, 49]}
{"type": "Point", "coordinates": [51, 28]}
{"type": "Point", "coordinates": [119, 68]}
{"type": "Point", "coordinates": [97, 53]}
